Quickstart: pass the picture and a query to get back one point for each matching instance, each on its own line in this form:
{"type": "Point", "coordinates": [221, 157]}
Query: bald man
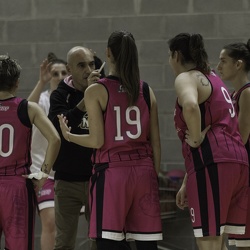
{"type": "Point", "coordinates": [73, 165]}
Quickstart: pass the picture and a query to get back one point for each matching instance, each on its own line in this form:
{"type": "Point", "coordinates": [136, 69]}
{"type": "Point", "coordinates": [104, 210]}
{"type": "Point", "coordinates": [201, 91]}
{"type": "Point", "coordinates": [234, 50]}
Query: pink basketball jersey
{"type": "Point", "coordinates": [223, 141]}
{"type": "Point", "coordinates": [241, 240]}
{"type": "Point", "coordinates": [126, 128]}
{"type": "Point", "coordinates": [236, 97]}
{"type": "Point", "coordinates": [15, 139]}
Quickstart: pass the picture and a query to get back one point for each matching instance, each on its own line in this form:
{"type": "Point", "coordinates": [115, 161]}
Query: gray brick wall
{"type": "Point", "coordinates": [29, 29]}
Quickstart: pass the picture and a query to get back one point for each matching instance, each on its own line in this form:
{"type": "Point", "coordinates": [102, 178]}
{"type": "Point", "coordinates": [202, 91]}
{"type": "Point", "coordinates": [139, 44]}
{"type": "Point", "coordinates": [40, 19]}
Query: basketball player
{"type": "Point", "coordinates": [234, 66]}
{"type": "Point", "coordinates": [124, 130]}
{"type": "Point", "coordinates": [52, 71]}
{"type": "Point", "coordinates": [17, 115]}
{"type": "Point", "coordinates": [214, 153]}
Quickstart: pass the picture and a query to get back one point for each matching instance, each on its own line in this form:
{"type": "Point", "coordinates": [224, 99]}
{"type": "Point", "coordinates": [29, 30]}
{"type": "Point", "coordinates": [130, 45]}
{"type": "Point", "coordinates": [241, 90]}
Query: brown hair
{"type": "Point", "coordinates": [191, 47]}
{"type": "Point", "coordinates": [124, 50]}
{"type": "Point", "coordinates": [239, 51]}
{"type": "Point", "coordinates": [9, 72]}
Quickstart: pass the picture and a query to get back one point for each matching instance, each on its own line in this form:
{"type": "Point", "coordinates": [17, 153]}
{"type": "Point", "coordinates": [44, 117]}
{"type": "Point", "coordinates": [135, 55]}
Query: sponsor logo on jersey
{"type": "Point", "coordinates": [44, 192]}
{"type": "Point", "coordinates": [4, 108]}
{"type": "Point", "coordinates": [178, 129]}
{"type": "Point", "coordinates": [121, 89]}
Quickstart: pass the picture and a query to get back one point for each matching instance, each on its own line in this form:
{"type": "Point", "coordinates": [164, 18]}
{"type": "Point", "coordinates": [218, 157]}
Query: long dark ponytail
{"type": "Point", "coordinates": [124, 50]}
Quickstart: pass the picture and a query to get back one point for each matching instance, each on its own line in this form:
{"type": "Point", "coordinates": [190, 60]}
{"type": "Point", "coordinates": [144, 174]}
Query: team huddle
{"type": "Point", "coordinates": [90, 144]}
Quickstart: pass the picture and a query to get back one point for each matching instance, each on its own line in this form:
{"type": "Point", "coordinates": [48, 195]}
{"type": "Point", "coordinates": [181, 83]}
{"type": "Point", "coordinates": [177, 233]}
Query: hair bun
{"type": "Point", "coordinates": [51, 57]}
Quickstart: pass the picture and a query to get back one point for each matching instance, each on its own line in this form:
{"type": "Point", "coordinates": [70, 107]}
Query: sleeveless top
{"type": "Point", "coordinates": [126, 128]}
{"type": "Point", "coordinates": [236, 97]}
{"type": "Point", "coordinates": [15, 137]}
{"type": "Point", "coordinates": [223, 141]}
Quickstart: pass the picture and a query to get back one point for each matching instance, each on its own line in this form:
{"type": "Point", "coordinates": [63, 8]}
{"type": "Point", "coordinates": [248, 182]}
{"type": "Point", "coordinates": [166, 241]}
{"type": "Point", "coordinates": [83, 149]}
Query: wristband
{"type": "Point", "coordinates": [38, 176]}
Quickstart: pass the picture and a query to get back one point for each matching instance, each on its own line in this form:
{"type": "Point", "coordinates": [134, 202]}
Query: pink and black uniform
{"type": "Point", "coordinates": [217, 171]}
{"type": "Point", "coordinates": [17, 208]}
{"type": "Point", "coordinates": [241, 240]}
{"type": "Point", "coordinates": [124, 171]}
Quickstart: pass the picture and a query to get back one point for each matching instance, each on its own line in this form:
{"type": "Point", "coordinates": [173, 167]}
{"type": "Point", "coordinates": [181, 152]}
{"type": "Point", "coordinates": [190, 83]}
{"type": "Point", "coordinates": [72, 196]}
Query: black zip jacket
{"type": "Point", "coordinates": [73, 162]}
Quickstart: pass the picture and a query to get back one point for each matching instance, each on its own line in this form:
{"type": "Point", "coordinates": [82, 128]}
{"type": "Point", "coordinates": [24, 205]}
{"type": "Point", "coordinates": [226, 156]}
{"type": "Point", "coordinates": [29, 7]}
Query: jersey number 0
{"type": "Point", "coordinates": [11, 139]}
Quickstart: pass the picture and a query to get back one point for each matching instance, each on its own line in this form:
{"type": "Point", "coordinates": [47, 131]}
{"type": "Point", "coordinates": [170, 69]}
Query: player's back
{"type": "Point", "coordinates": [223, 141]}
{"type": "Point", "coordinates": [15, 137]}
{"type": "Point", "coordinates": [126, 128]}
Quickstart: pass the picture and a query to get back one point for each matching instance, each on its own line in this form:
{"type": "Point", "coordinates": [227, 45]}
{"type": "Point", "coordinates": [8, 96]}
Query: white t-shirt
{"type": "Point", "coordinates": [39, 143]}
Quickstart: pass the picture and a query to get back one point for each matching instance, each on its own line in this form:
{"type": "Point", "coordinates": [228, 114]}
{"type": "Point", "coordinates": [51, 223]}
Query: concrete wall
{"type": "Point", "coordinates": [29, 29]}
